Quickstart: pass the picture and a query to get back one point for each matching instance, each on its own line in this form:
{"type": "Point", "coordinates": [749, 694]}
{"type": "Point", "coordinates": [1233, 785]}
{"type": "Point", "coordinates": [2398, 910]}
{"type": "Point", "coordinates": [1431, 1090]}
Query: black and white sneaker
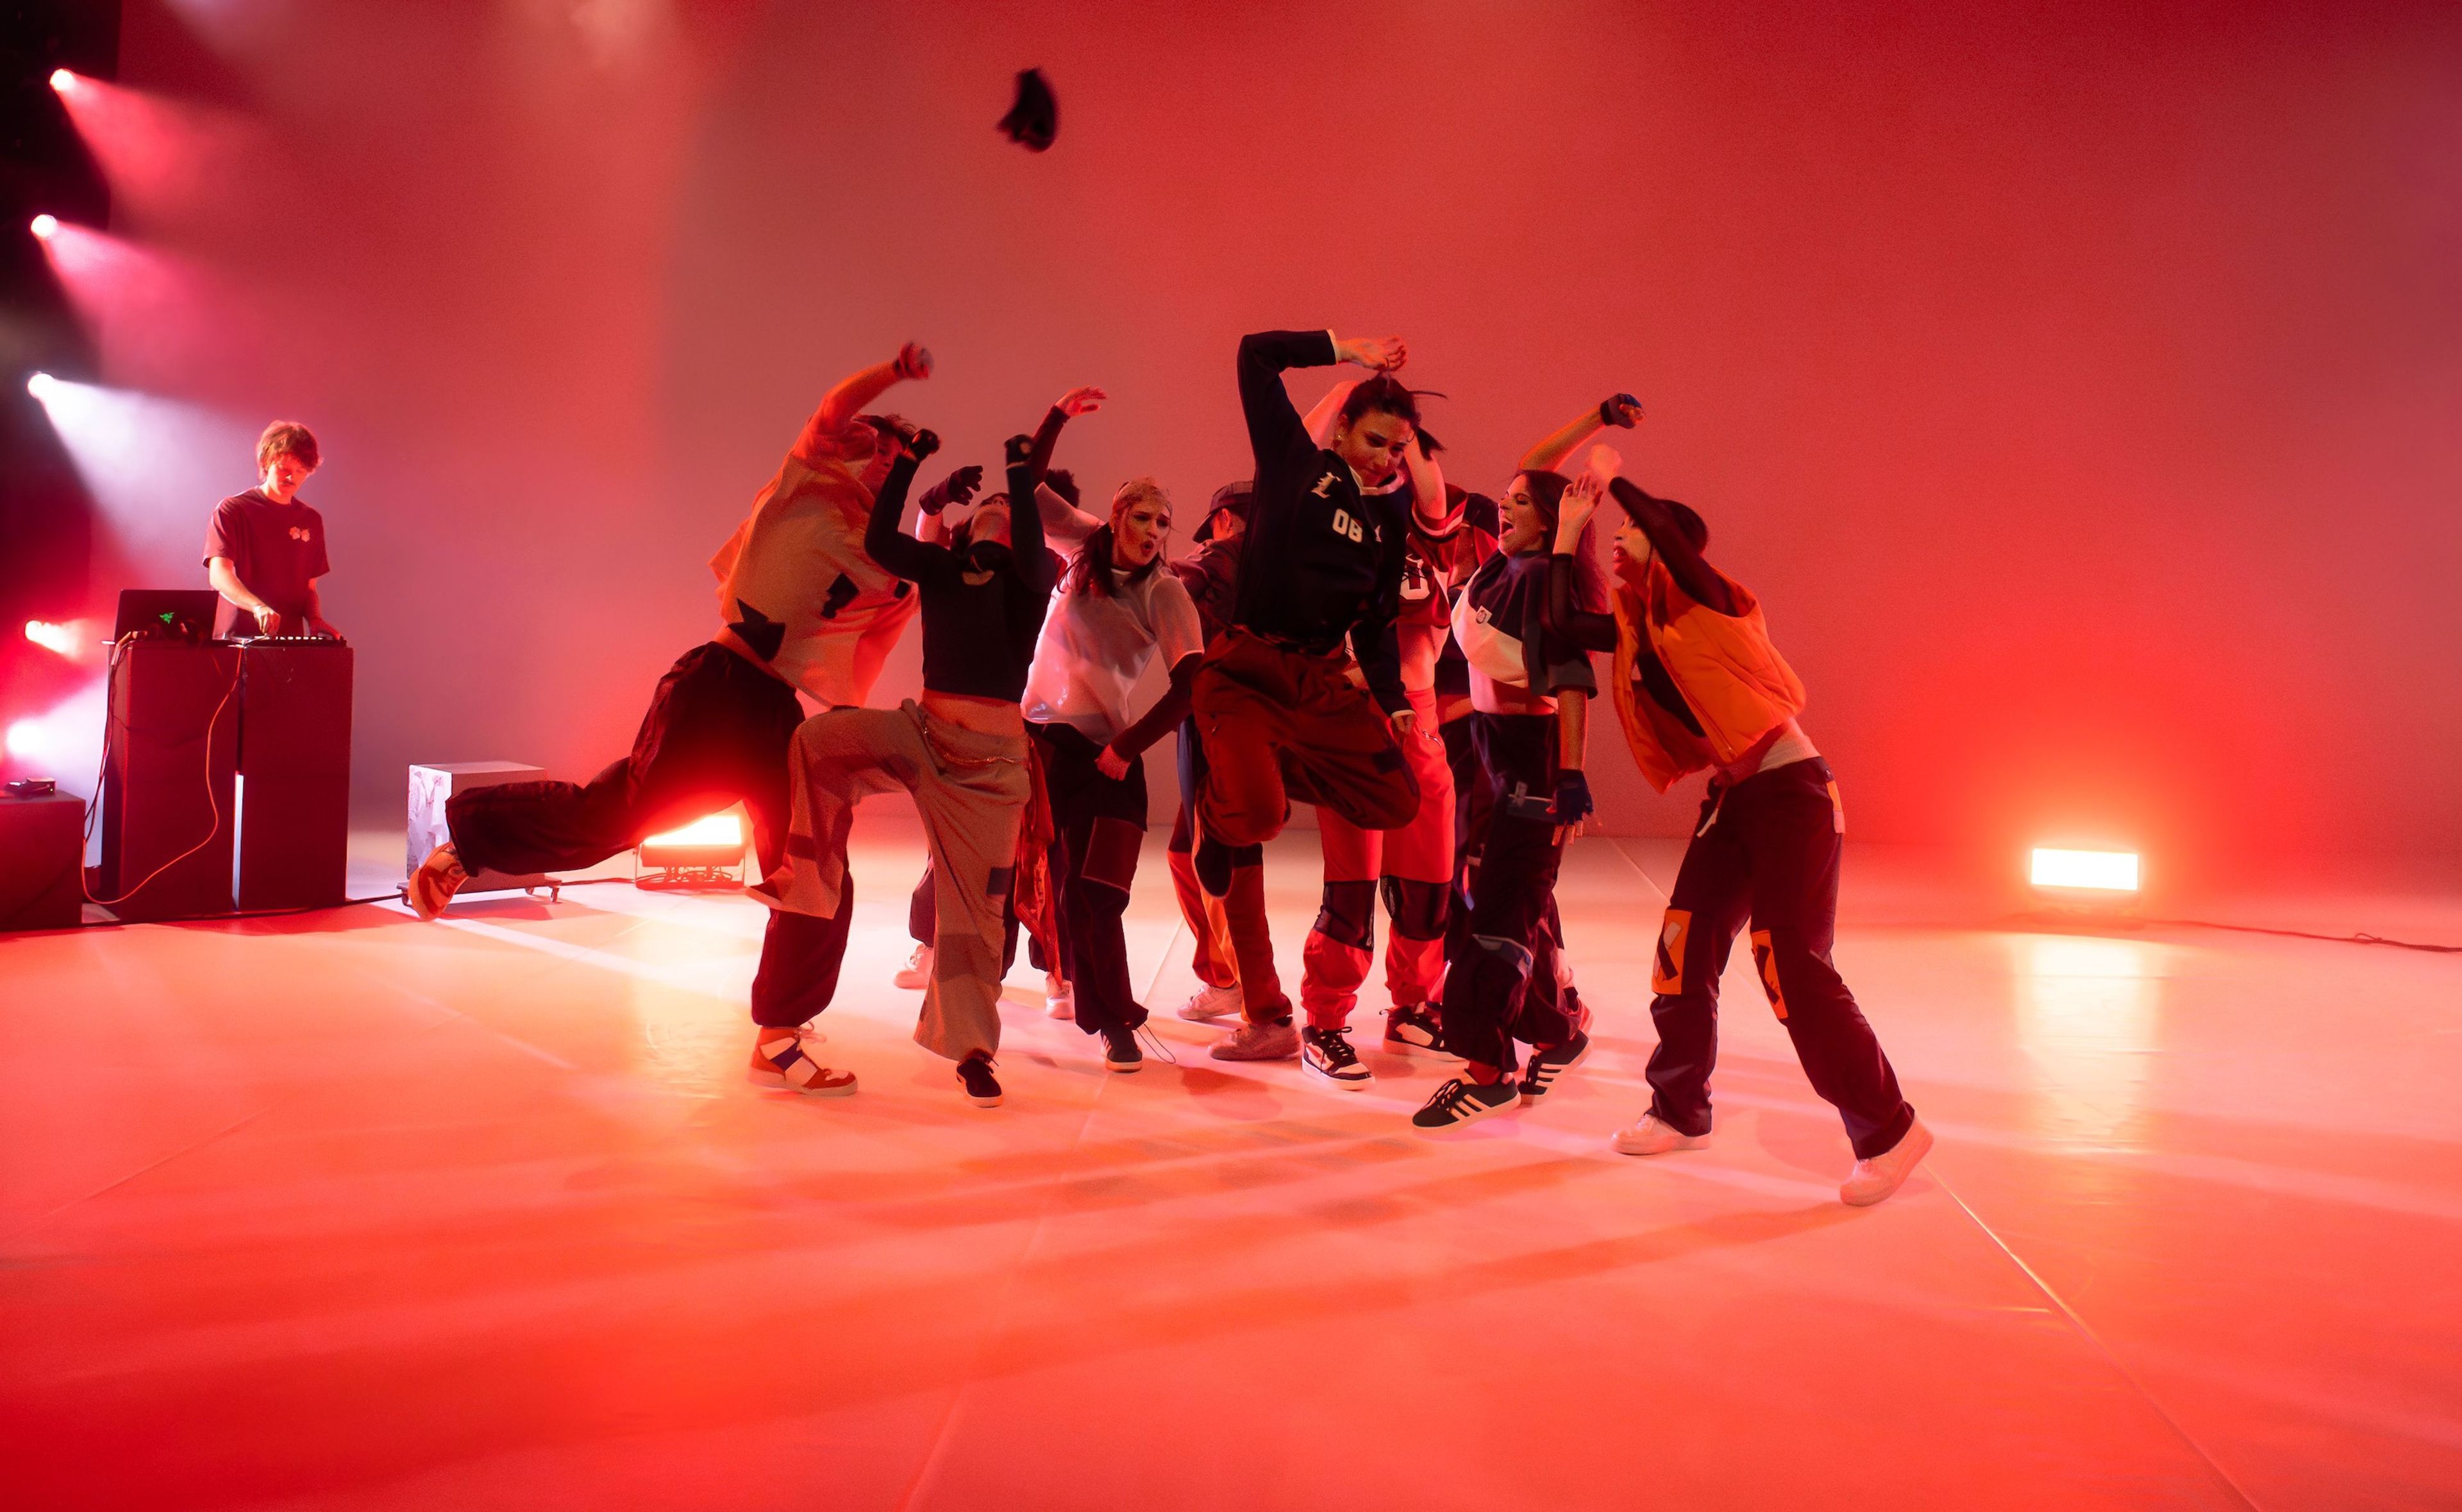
{"type": "Point", "coordinates": [1415, 1030]}
{"type": "Point", "coordinates": [1327, 1052]}
{"type": "Point", "coordinates": [1460, 1102]}
{"type": "Point", "coordinates": [1121, 1050]}
{"type": "Point", "coordinates": [1546, 1065]}
{"type": "Point", "coordinates": [982, 1087]}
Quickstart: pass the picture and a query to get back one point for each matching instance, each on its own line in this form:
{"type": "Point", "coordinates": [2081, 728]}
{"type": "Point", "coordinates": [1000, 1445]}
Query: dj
{"type": "Point", "coordinates": [265, 549]}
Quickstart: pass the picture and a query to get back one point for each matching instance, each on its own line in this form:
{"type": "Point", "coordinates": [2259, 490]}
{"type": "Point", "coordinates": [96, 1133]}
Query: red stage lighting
{"type": "Point", "coordinates": [44, 227]}
{"type": "Point", "coordinates": [39, 384]}
{"type": "Point", "coordinates": [63, 80]}
{"type": "Point", "coordinates": [702, 853]}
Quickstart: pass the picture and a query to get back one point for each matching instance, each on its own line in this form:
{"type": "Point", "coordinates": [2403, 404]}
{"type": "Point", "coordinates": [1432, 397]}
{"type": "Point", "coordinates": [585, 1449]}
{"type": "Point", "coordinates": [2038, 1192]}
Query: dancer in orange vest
{"type": "Point", "coordinates": [1698, 686]}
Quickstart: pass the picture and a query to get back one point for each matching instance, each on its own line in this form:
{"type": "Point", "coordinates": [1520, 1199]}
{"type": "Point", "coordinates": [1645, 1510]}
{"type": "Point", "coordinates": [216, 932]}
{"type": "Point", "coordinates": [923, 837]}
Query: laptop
{"type": "Point", "coordinates": [166, 613]}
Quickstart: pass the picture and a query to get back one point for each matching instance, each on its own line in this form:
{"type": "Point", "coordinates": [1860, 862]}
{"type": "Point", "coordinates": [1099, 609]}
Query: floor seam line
{"type": "Point", "coordinates": [1616, 844]}
{"type": "Point", "coordinates": [2087, 1331]}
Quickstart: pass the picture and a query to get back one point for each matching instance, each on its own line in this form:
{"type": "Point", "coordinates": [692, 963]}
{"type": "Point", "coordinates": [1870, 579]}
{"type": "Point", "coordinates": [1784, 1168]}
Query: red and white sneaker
{"type": "Point", "coordinates": [779, 1060]}
{"type": "Point", "coordinates": [433, 885]}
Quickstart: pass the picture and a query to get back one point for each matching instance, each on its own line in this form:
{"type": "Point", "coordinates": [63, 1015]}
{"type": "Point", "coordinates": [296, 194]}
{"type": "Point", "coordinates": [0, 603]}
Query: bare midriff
{"type": "Point", "coordinates": [1421, 645]}
{"type": "Point", "coordinates": [982, 716]}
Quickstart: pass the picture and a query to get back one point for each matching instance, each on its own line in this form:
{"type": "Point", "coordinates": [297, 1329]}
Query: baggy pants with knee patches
{"type": "Point", "coordinates": [1281, 725]}
{"type": "Point", "coordinates": [1504, 986]}
{"type": "Point", "coordinates": [971, 789]}
{"type": "Point", "coordinates": [1412, 868]}
{"type": "Point", "coordinates": [1768, 848]}
{"type": "Point", "coordinates": [1098, 824]}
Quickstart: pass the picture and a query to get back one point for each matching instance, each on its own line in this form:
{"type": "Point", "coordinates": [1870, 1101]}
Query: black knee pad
{"type": "Point", "coordinates": [1417, 909]}
{"type": "Point", "coordinates": [1347, 916]}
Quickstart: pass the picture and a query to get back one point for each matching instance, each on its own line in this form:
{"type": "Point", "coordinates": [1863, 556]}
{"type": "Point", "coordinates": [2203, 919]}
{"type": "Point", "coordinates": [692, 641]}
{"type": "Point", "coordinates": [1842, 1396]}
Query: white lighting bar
{"type": "Point", "coordinates": [2095, 871]}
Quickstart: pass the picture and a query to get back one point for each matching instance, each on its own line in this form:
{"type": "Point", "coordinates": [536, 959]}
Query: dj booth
{"type": "Point", "coordinates": [226, 777]}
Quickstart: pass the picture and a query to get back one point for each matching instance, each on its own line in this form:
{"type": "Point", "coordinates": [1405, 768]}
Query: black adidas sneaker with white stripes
{"type": "Point", "coordinates": [1460, 1102]}
{"type": "Point", "coordinates": [1546, 1065]}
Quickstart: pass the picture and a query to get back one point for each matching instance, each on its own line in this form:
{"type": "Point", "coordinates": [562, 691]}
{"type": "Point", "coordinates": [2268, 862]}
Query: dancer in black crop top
{"type": "Point", "coordinates": [960, 750]}
{"type": "Point", "coordinates": [983, 594]}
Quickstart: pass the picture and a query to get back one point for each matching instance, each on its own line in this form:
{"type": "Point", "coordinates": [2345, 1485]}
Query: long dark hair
{"type": "Point", "coordinates": [1548, 492]}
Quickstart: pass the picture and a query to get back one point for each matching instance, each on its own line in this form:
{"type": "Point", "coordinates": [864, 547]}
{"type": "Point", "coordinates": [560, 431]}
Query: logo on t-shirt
{"type": "Point", "coordinates": [299, 532]}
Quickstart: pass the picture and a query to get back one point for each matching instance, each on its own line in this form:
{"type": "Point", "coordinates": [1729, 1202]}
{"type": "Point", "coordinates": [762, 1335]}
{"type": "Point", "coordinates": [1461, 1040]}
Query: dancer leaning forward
{"type": "Point", "coordinates": [1698, 686]}
{"type": "Point", "coordinates": [961, 752]}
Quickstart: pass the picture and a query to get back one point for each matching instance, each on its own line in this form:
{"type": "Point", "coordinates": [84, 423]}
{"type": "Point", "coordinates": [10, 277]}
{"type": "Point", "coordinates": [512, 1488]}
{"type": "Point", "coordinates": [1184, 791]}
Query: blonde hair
{"type": "Point", "coordinates": [1135, 491]}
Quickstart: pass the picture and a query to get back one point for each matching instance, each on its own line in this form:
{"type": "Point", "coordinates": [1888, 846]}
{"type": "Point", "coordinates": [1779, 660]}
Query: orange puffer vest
{"type": "Point", "coordinates": [1733, 681]}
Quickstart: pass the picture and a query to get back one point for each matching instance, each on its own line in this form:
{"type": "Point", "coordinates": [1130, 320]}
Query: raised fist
{"type": "Point", "coordinates": [1620, 409]}
{"type": "Point", "coordinates": [921, 444]}
{"type": "Point", "coordinates": [1020, 448]}
{"type": "Point", "coordinates": [957, 489]}
{"type": "Point", "coordinates": [914, 361]}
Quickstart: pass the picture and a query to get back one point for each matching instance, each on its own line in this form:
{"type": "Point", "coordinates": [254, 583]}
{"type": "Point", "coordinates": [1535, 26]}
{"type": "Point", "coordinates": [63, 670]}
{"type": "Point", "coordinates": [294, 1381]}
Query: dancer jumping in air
{"type": "Point", "coordinates": [1278, 710]}
{"type": "Point", "coordinates": [1698, 686]}
{"type": "Point", "coordinates": [1118, 607]}
{"type": "Point", "coordinates": [1530, 685]}
{"type": "Point", "coordinates": [960, 750]}
{"type": "Point", "coordinates": [803, 606]}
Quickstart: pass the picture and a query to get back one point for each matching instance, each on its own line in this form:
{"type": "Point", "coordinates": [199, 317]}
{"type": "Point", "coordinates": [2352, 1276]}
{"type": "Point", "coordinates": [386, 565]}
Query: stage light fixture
{"type": "Point", "coordinates": [2068, 871]}
{"type": "Point", "coordinates": [44, 227]}
{"type": "Point", "coordinates": [40, 384]}
{"type": "Point", "coordinates": [59, 638]}
{"type": "Point", "coordinates": [63, 80]}
{"type": "Point", "coordinates": [706, 852]}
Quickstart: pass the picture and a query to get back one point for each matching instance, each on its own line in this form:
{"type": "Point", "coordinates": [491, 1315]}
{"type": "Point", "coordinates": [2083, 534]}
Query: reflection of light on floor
{"type": "Point", "coordinates": [2089, 1018]}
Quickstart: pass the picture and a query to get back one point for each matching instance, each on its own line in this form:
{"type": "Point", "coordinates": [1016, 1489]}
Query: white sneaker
{"type": "Point", "coordinates": [1208, 1003]}
{"type": "Point", "coordinates": [916, 974]}
{"type": "Point", "coordinates": [1059, 998]}
{"type": "Point", "coordinates": [1650, 1136]}
{"type": "Point", "coordinates": [1885, 1173]}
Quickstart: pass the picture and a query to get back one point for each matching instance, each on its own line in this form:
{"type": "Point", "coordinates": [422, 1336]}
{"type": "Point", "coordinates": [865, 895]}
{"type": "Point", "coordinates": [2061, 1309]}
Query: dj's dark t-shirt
{"type": "Point", "coordinates": [278, 549]}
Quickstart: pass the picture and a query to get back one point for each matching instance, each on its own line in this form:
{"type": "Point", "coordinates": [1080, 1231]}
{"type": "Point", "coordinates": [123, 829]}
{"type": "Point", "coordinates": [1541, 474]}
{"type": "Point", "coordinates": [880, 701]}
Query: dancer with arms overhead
{"type": "Point", "coordinates": [1279, 712]}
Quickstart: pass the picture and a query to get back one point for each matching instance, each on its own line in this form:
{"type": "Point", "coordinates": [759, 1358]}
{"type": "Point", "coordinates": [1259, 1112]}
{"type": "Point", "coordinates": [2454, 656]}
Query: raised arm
{"type": "Point", "coordinates": [1064, 521]}
{"type": "Point", "coordinates": [1684, 560]}
{"type": "Point", "coordinates": [1437, 514]}
{"type": "Point", "coordinates": [1028, 460]}
{"type": "Point", "coordinates": [1327, 412]}
{"type": "Point", "coordinates": [1616, 409]}
{"type": "Point", "coordinates": [1275, 431]}
{"type": "Point", "coordinates": [853, 394]}
{"type": "Point", "coordinates": [1566, 618]}
{"type": "Point", "coordinates": [882, 539]}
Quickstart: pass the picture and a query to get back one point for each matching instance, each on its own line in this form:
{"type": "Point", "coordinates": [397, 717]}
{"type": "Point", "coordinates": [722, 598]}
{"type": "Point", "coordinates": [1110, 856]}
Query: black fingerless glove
{"type": "Point", "coordinates": [1573, 803]}
{"type": "Point", "coordinates": [1020, 450]}
{"type": "Point", "coordinates": [921, 444]}
{"type": "Point", "coordinates": [957, 489]}
{"type": "Point", "coordinates": [1620, 410]}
